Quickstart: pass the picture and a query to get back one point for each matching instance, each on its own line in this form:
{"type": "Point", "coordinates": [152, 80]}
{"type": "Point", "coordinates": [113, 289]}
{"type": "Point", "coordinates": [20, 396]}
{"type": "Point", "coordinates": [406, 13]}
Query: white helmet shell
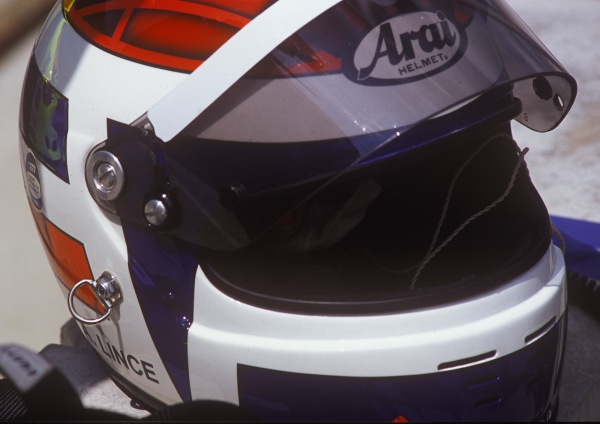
{"type": "Point", "coordinates": [248, 189]}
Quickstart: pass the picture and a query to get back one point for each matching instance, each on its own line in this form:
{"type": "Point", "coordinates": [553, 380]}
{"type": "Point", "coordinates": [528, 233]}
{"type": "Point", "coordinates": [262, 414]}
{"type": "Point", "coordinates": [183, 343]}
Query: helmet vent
{"type": "Point", "coordinates": [105, 23]}
{"type": "Point", "coordinates": [171, 34]}
{"type": "Point", "coordinates": [481, 382]}
{"type": "Point", "coordinates": [487, 402]}
{"type": "Point", "coordinates": [161, 31]}
{"type": "Point", "coordinates": [539, 333]}
{"type": "Point", "coordinates": [467, 361]}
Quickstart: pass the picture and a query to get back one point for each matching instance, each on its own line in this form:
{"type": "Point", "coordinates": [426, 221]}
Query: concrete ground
{"type": "Point", "coordinates": [564, 165]}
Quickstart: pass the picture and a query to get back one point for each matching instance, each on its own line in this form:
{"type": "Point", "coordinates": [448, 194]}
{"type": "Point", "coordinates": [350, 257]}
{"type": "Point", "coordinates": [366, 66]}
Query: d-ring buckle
{"type": "Point", "coordinates": [105, 289]}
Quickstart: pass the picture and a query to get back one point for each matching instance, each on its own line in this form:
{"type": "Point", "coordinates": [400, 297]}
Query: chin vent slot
{"type": "Point", "coordinates": [487, 402]}
{"type": "Point", "coordinates": [539, 333]}
{"type": "Point", "coordinates": [467, 361]}
{"type": "Point", "coordinates": [481, 382]}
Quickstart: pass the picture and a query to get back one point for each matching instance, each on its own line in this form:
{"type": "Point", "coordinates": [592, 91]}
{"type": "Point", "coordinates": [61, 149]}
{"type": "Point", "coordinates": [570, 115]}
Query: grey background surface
{"type": "Point", "coordinates": [32, 309]}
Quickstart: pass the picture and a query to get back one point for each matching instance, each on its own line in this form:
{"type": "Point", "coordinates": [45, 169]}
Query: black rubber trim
{"type": "Point", "coordinates": [403, 302]}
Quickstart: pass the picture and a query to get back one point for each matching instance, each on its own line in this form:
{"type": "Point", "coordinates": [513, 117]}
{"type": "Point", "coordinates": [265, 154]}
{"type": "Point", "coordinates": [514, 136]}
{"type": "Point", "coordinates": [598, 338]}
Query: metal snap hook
{"type": "Point", "coordinates": [106, 289]}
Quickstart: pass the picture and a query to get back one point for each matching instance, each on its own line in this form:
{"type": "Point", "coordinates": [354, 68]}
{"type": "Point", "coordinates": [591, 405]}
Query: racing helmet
{"type": "Point", "coordinates": [314, 210]}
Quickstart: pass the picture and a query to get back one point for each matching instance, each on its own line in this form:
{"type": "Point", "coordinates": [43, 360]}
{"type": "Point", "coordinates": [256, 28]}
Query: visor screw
{"type": "Point", "coordinates": [160, 210]}
{"type": "Point", "coordinates": [155, 212]}
{"type": "Point", "coordinates": [104, 175]}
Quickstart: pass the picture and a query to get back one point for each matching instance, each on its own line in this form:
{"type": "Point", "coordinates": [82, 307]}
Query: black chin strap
{"type": "Point", "coordinates": [35, 390]}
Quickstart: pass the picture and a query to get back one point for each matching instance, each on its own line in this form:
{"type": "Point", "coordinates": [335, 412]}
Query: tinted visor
{"type": "Point", "coordinates": [352, 89]}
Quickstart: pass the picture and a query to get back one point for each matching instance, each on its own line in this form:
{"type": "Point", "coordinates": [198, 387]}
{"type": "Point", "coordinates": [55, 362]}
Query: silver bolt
{"type": "Point", "coordinates": [106, 177]}
{"type": "Point", "coordinates": [155, 212]}
{"type": "Point", "coordinates": [107, 288]}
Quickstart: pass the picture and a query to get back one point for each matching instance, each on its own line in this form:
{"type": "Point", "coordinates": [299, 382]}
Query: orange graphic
{"type": "Point", "coordinates": [67, 258]}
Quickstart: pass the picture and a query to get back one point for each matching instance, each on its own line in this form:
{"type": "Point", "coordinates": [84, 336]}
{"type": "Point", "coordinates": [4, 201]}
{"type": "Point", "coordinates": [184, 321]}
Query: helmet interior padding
{"type": "Point", "coordinates": [362, 272]}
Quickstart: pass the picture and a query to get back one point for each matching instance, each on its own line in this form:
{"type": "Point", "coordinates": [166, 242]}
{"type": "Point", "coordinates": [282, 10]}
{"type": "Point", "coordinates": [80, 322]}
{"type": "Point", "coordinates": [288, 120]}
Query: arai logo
{"type": "Point", "coordinates": [407, 48]}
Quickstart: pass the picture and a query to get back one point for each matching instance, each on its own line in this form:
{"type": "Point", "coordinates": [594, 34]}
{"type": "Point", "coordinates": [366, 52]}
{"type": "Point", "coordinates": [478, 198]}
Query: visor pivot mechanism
{"type": "Point", "coordinates": [104, 175]}
{"type": "Point", "coordinates": [160, 211]}
{"type": "Point", "coordinates": [143, 123]}
{"type": "Point", "coordinates": [106, 289]}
